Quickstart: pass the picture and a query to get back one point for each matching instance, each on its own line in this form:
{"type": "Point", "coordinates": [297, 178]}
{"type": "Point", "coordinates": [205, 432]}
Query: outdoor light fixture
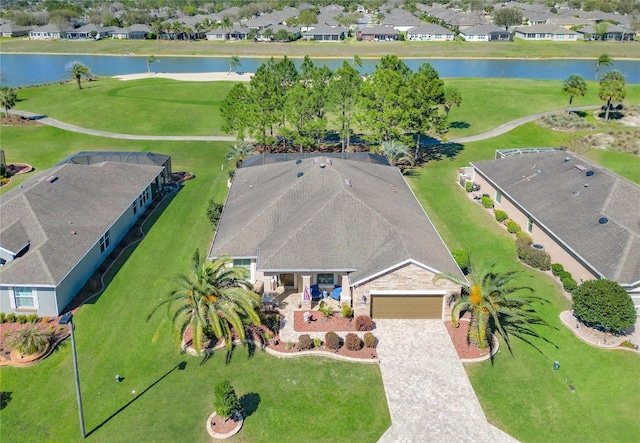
{"type": "Point", "coordinates": [364, 299]}
{"type": "Point", "coordinates": [68, 319]}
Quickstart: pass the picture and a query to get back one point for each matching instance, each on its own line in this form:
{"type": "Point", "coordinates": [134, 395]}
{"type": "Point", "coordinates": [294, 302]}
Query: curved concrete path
{"type": "Point", "coordinates": [428, 392]}
{"type": "Point", "coordinates": [505, 127]}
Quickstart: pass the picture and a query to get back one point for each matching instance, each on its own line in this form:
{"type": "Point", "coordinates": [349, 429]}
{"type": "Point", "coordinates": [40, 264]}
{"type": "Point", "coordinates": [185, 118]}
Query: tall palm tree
{"type": "Point", "coordinates": [77, 70]}
{"type": "Point", "coordinates": [8, 98]}
{"type": "Point", "coordinates": [574, 86]}
{"type": "Point", "coordinates": [396, 152]}
{"type": "Point", "coordinates": [151, 59]}
{"type": "Point", "coordinates": [214, 299]}
{"type": "Point", "coordinates": [603, 60]}
{"type": "Point", "coordinates": [494, 307]}
{"type": "Point", "coordinates": [238, 152]}
{"type": "Point", "coordinates": [227, 25]}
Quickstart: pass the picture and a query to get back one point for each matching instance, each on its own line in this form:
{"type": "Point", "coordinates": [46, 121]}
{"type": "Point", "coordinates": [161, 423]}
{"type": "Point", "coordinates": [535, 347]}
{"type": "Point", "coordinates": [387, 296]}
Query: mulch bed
{"type": "Point", "coordinates": [319, 323]}
{"type": "Point", "coordinates": [7, 328]}
{"type": "Point", "coordinates": [459, 338]}
{"type": "Point", "coordinates": [16, 120]}
{"type": "Point", "coordinates": [363, 354]}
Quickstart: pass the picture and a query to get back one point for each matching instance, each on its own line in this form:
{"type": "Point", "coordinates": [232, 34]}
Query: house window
{"type": "Point", "coordinates": [498, 197]}
{"type": "Point", "coordinates": [530, 225]}
{"type": "Point", "coordinates": [325, 279]}
{"type": "Point", "coordinates": [24, 297]}
{"type": "Point", "coordinates": [104, 242]}
{"type": "Point", "coordinates": [243, 263]}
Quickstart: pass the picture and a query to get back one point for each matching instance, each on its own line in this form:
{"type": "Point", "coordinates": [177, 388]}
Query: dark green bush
{"type": "Point", "coordinates": [214, 212]}
{"type": "Point", "coordinates": [304, 342]}
{"type": "Point", "coordinates": [513, 227]}
{"type": "Point", "coordinates": [564, 274]}
{"type": "Point", "coordinates": [468, 186]}
{"type": "Point", "coordinates": [569, 284]}
{"type": "Point", "coordinates": [369, 340]}
{"type": "Point", "coordinates": [11, 317]}
{"type": "Point", "coordinates": [226, 399]}
{"type": "Point", "coordinates": [22, 319]}
{"type": "Point", "coordinates": [462, 259]}
{"type": "Point", "coordinates": [332, 340]}
{"type": "Point", "coordinates": [364, 323]}
{"type": "Point", "coordinates": [500, 215]}
{"type": "Point", "coordinates": [352, 342]}
{"type": "Point", "coordinates": [604, 305]}
{"type": "Point", "coordinates": [487, 202]}
{"type": "Point", "coordinates": [556, 269]}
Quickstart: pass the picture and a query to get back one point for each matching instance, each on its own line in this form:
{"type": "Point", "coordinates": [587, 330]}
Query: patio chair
{"type": "Point", "coordinates": [336, 293]}
{"type": "Point", "coordinates": [316, 294]}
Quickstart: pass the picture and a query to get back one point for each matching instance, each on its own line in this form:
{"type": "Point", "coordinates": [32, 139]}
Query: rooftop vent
{"type": "Point", "coordinates": [566, 159]}
{"type": "Point", "coordinates": [299, 174]}
{"type": "Point", "coordinates": [347, 182]}
{"type": "Point", "coordinates": [298, 161]}
{"type": "Point", "coordinates": [539, 171]}
{"type": "Point", "coordinates": [590, 173]}
{"type": "Point", "coordinates": [322, 165]}
{"type": "Point", "coordinates": [603, 220]}
{"type": "Point", "coordinates": [580, 168]}
{"type": "Point", "coordinates": [52, 178]}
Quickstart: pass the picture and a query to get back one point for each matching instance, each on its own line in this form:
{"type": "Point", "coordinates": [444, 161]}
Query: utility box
{"type": "Point", "coordinates": [556, 366]}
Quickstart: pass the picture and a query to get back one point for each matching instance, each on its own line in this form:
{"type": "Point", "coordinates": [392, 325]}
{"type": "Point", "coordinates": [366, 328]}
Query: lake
{"type": "Point", "coordinates": [29, 69]}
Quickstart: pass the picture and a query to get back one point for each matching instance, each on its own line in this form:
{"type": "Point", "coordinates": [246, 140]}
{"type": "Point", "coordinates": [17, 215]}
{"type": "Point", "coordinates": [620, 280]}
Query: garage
{"type": "Point", "coordinates": [409, 305]}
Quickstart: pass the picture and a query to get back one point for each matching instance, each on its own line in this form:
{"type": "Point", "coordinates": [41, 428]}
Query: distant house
{"type": "Point", "coordinates": [217, 34]}
{"type": "Point", "coordinates": [545, 32]}
{"type": "Point", "coordinates": [485, 33]}
{"type": "Point", "coordinates": [89, 31]}
{"type": "Point", "coordinates": [378, 33]}
{"type": "Point", "coordinates": [8, 29]}
{"type": "Point", "coordinates": [401, 20]}
{"type": "Point", "coordinates": [238, 32]}
{"type": "Point", "coordinates": [430, 32]}
{"type": "Point", "coordinates": [585, 216]}
{"type": "Point", "coordinates": [59, 226]}
{"type": "Point", "coordinates": [133, 32]}
{"type": "Point", "coordinates": [48, 32]}
{"type": "Point", "coordinates": [269, 34]}
{"type": "Point", "coordinates": [614, 33]}
{"type": "Point", "coordinates": [326, 33]}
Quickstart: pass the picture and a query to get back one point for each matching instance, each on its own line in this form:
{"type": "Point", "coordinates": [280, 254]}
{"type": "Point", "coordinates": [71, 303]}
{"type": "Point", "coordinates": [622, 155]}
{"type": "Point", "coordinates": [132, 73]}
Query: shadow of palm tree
{"type": "Point", "coordinates": [5, 398]}
{"type": "Point", "coordinates": [459, 125]}
{"type": "Point", "coordinates": [249, 403]}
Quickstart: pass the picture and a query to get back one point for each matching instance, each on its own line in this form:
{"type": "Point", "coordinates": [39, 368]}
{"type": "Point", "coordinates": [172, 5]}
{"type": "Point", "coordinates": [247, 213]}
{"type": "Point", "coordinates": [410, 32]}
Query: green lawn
{"type": "Point", "coordinates": [325, 399]}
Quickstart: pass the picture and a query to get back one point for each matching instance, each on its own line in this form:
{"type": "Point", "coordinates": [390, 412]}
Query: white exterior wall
{"type": "Point", "coordinates": [476, 38]}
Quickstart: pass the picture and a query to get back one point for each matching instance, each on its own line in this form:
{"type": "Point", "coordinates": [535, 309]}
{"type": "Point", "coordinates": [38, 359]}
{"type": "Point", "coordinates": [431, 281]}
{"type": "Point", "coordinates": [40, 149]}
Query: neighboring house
{"type": "Point", "coordinates": [430, 32]}
{"type": "Point", "coordinates": [613, 33]}
{"type": "Point", "coordinates": [401, 20]}
{"type": "Point", "coordinates": [545, 32]}
{"type": "Point", "coordinates": [378, 33]}
{"type": "Point", "coordinates": [217, 34]}
{"type": "Point", "coordinates": [269, 34]}
{"type": "Point", "coordinates": [585, 216]}
{"type": "Point", "coordinates": [8, 29]}
{"type": "Point", "coordinates": [238, 32]}
{"type": "Point", "coordinates": [59, 226]}
{"type": "Point", "coordinates": [485, 33]}
{"type": "Point", "coordinates": [332, 221]}
{"type": "Point", "coordinates": [89, 31]}
{"type": "Point", "coordinates": [133, 32]}
{"type": "Point", "coordinates": [326, 33]}
{"type": "Point", "coordinates": [48, 32]}
{"type": "Point", "coordinates": [568, 21]}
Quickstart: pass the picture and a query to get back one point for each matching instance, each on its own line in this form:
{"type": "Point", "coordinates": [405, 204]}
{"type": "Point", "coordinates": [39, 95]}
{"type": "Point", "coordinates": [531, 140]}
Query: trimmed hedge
{"type": "Point", "coordinates": [369, 340]}
{"type": "Point", "coordinates": [304, 342]}
{"type": "Point", "coordinates": [533, 257]}
{"type": "Point", "coordinates": [556, 269]}
{"type": "Point", "coordinates": [462, 259]}
{"type": "Point", "coordinates": [352, 342]}
{"type": "Point", "coordinates": [604, 305]}
{"type": "Point", "coordinates": [332, 340]}
{"type": "Point", "coordinates": [513, 227]}
{"type": "Point", "coordinates": [500, 215]}
{"type": "Point", "coordinates": [487, 202]}
{"type": "Point", "coordinates": [364, 323]}
{"type": "Point", "coordinates": [569, 284]}
{"type": "Point", "coordinates": [468, 186]}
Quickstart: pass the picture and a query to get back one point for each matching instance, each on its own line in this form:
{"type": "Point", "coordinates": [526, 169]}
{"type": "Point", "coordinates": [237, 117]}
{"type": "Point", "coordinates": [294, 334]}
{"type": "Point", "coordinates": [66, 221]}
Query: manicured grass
{"type": "Point", "coordinates": [324, 399]}
{"type": "Point", "coordinates": [515, 49]}
{"type": "Point", "coordinates": [523, 395]}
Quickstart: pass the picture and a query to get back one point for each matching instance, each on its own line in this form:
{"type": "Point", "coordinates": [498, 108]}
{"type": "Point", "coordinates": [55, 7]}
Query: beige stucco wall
{"type": "Point", "coordinates": [406, 278]}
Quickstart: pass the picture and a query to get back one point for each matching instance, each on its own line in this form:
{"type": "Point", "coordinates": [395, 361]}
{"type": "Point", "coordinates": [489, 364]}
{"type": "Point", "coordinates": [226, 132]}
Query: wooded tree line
{"type": "Point", "coordinates": [284, 106]}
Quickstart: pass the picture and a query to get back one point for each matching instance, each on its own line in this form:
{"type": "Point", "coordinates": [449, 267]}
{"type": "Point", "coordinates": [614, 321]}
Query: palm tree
{"type": "Point", "coordinates": [234, 62]}
{"type": "Point", "coordinates": [77, 70]}
{"type": "Point", "coordinates": [227, 25]}
{"type": "Point", "coordinates": [494, 306]}
{"type": "Point", "coordinates": [573, 86]}
{"type": "Point", "coordinates": [29, 340]}
{"type": "Point", "coordinates": [8, 98]}
{"type": "Point", "coordinates": [603, 60]}
{"type": "Point", "coordinates": [151, 59]}
{"type": "Point", "coordinates": [214, 299]}
{"type": "Point", "coordinates": [396, 152]}
{"type": "Point", "coordinates": [452, 97]}
{"type": "Point", "coordinates": [238, 152]}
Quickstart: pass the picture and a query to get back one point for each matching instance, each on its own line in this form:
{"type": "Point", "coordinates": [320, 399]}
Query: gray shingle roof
{"type": "Point", "coordinates": [64, 219]}
{"type": "Point", "coordinates": [558, 199]}
{"type": "Point", "coordinates": [319, 222]}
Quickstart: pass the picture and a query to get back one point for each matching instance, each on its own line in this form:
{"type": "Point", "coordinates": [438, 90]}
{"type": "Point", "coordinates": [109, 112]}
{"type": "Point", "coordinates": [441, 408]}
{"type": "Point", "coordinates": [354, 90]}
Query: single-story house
{"type": "Point", "coordinates": [485, 33]}
{"type": "Point", "coordinates": [59, 226]}
{"type": "Point", "coordinates": [430, 32]}
{"type": "Point", "coordinates": [332, 221]}
{"type": "Point", "coordinates": [268, 34]}
{"type": "Point", "coordinates": [89, 31]}
{"type": "Point", "coordinates": [48, 32]}
{"type": "Point", "coordinates": [238, 32]}
{"type": "Point", "coordinates": [614, 33]}
{"type": "Point", "coordinates": [133, 32]}
{"type": "Point", "coordinates": [378, 33]}
{"type": "Point", "coordinates": [585, 216]}
{"type": "Point", "coordinates": [401, 20]}
{"type": "Point", "coordinates": [8, 29]}
{"type": "Point", "coordinates": [546, 32]}
{"type": "Point", "coordinates": [326, 33]}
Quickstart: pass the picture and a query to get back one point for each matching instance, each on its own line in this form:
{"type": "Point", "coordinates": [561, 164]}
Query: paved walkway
{"type": "Point", "coordinates": [429, 395]}
{"type": "Point", "coordinates": [506, 127]}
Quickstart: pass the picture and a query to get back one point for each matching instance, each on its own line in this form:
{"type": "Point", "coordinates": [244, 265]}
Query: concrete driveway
{"type": "Point", "coordinates": [429, 395]}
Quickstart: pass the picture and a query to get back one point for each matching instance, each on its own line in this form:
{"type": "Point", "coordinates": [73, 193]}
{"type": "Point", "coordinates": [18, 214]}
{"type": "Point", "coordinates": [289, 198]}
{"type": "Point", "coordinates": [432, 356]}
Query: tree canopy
{"type": "Point", "coordinates": [604, 305]}
{"type": "Point", "coordinates": [574, 86]}
{"type": "Point", "coordinates": [8, 98]}
{"type": "Point", "coordinates": [507, 17]}
{"type": "Point", "coordinates": [612, 90]}
{"type": "Point", "coordinates": [77, 70]}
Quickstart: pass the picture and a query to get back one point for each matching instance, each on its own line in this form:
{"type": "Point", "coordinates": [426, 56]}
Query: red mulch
{"type": "Point", "coordinates": [220, 426]}
{"type": "Point", "coordinates": [364, 353]}
{"type": "Point", "coordinates": [459, 338]}
{"type": "Point", "coordinates": [7, 328]}
{"type": "Point", "coordinates": [319, 323]}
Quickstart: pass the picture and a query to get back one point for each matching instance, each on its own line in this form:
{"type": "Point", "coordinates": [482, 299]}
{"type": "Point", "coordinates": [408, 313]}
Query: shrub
{"type": "Point", "coordinates": [304, 342]}
{"type": "Point", "coordinates": [214, 212]}
{"type": "Point", "coordinates": [569, 284]}
{"type": "Point", "coordinates": [533, 257]}
{"type": "Point", "coordinates": [29, 340]}
{"type": "Point", "coordinates": [500, 215]}
{"type": "Point", "coordinates": [11, 317]}
{"type": "Point", "coordinates": [332, 341]}
{"type": "Point", "coordinates": [564, 274]}
{"type": "Point", "coordinates": [352, 342]}
{"type": "Point", "coordinates": [604, 305]}
{"type": "Point", "coordinates": [3, 317]}
{"type": "Point", "coordinates": [22, 319]}
{"type": "Point", "coordinates": [468, 186]}
{"type": "Point", "coordinates": [462, 259]}
{"type": "Point", "coordinates": [364, 323]}
{"type": "Point", "coordinates": [326, 309]}
{"type": "Point", "coordinates": [369, 340]}
{"type": "Point", "coordinates": [556, 269]}
{"type": "Point", "coordinates": [226, 399]}
{"type": "Point", "coordinates": [346, 311]}
{"type": "Point", "coordinates": [524, 237]}
{"type": "Point", "coordinates": [289, 346]}
{"type": "Point", "coordinates": [317, 342]}
{"type": "Point", "coordinates": [513, 227]}
{"type": "Point", "coordinates": [487, 201]}
{"type": "Point", "coordinates": [32, 318]}
{"type": "Point", "coordinates": [45, 319]}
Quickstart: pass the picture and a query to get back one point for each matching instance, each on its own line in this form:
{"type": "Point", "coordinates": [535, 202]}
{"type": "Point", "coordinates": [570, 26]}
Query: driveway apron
{"type": "Point", "coordinates": [429, 395]}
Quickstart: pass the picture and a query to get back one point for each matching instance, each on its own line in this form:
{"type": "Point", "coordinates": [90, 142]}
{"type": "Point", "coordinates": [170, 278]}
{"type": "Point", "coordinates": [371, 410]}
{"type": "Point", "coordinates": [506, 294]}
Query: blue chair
{"type": "Point", "coordinates": [316, 294]}
{"type": "Point", "coordinates": [336, 293]}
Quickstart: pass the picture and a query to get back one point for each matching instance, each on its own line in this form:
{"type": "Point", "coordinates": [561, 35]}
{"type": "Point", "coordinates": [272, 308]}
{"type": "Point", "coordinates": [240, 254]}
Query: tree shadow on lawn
{"type": "Point", "coordinates": [439, 151]}
{"type": "Point", "coordinates": [180, 366]}
{"type": "Point", "coordinates": [249, 403]}
{"type": "Point", "coordinates": [459, 125]}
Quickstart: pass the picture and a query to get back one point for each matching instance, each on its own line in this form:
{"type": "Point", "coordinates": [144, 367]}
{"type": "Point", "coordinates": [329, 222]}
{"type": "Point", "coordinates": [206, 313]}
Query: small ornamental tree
{"type": "Point", "coordinates": [29, 340]}
{"type": "Point", "coordinates": [226, 399]}
{"type": "Point", "coordinates": [604, 305]}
